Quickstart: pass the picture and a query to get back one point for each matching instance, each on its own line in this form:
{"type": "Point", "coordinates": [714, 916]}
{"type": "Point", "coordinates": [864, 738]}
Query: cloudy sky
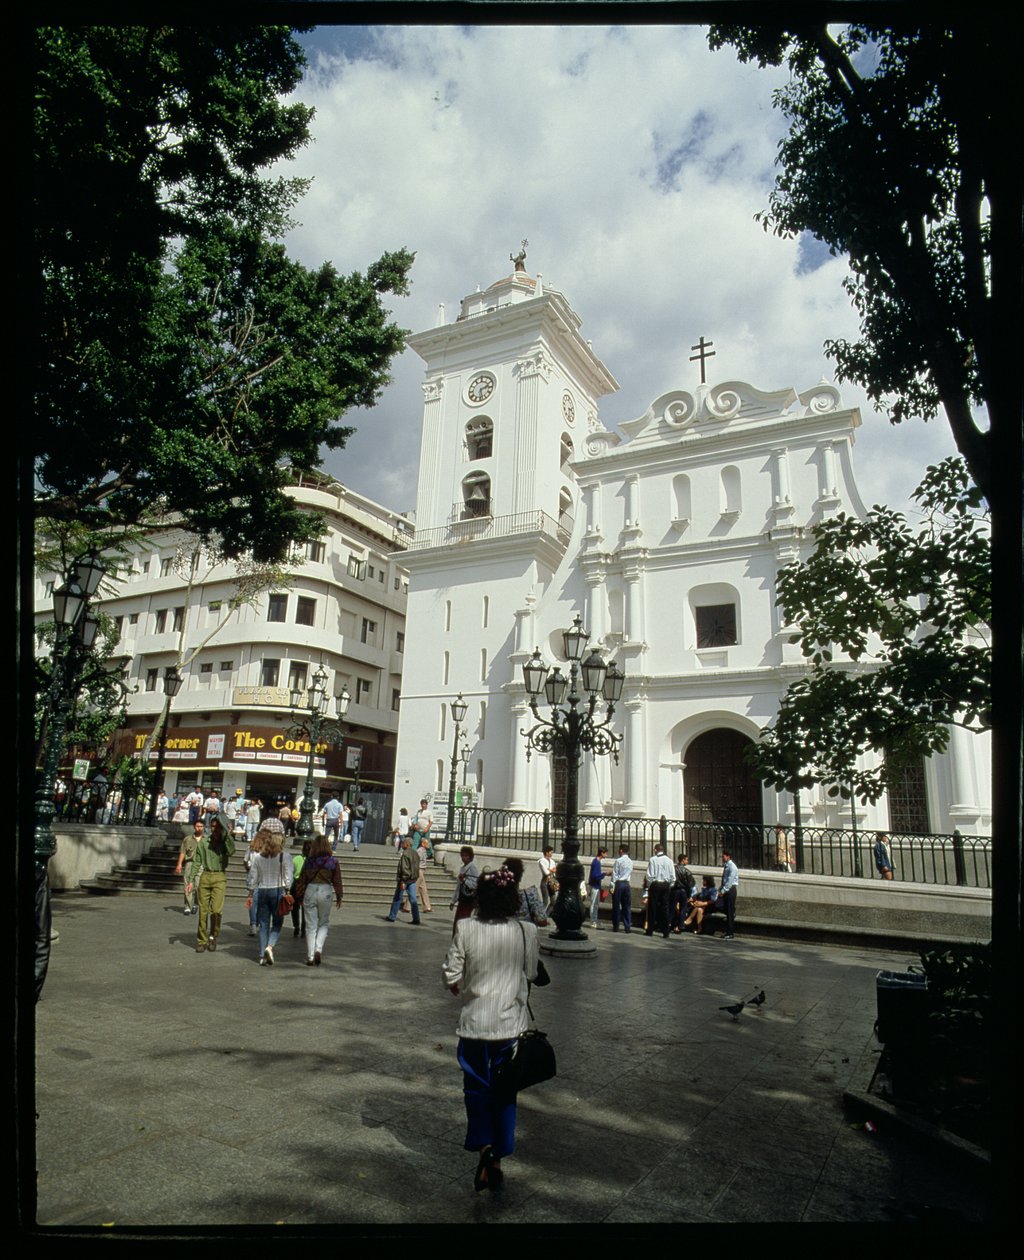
{"type": "Point", "coordinates": [633, 160]}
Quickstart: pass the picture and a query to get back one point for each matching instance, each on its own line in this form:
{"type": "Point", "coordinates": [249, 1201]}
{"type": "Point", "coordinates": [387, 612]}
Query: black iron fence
{"type": "Point", "coordinates": [918, 858]}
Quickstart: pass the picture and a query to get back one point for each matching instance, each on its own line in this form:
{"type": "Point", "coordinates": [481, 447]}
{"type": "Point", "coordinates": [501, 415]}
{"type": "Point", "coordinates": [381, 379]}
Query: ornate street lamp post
{"type": "Point", "coordinates": [459, 709]}
{"type": "Point", "coordinates": [313, 725]}
{"type": "Point", "coordinates": [570, 731]}
{"type": "Point", "coordinates": [172, 685]}
{"type": "Point", "coordinates": [464, 755]}
{"type": "Point", "coordinates": [75, 631]}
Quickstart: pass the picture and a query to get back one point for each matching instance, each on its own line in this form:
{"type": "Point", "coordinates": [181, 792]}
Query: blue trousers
{"type": "Point", "coordinates": [409, 891]}
{"type": "Point", "coordinates": [622, 899]}
{"type": "Point", "coordinates": [490, 1118]}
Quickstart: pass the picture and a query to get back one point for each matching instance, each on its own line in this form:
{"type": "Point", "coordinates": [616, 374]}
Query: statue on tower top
{"type": "Point", "coordinates": [520, 258]}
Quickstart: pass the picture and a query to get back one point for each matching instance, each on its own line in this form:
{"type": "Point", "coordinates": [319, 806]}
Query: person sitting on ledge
{"type": "Point", "coordinates": [700, 903]}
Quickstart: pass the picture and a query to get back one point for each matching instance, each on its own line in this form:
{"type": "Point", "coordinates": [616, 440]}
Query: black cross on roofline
{"type": "Point", "coordinates": [703, 352]}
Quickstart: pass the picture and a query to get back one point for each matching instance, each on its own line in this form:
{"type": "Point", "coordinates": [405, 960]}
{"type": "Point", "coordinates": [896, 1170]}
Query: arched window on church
{"type": "Point", "coordinates": [729, 502]}
{"type": "Point", "coordinates": [681, 503]}
{"type": "Point", "coordinates": [479, 438]}
{"type": "Point", "coordinates": [476, 495]}
{"type": "Point", "coordinates": [566, 451]}
{"type": "Point", "coordinates": [715, 609]}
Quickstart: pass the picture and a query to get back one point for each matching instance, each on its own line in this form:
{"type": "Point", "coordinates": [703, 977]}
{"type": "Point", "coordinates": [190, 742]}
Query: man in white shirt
{"type": "Point", "coordinates": [548, 883]}
{"type": "Point", "coordinates": [622, 874]}
{"type": "Point", "coordinates": [726, 902]}
{"type": "Point", "coordinates": [660, 877]}
{"type": "Point", "coordinates": [194, 801]}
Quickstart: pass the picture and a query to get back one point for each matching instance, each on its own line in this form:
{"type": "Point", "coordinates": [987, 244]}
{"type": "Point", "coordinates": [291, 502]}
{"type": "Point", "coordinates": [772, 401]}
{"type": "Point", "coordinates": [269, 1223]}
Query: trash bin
{"type": "Point", "coordinates": [902, 1007]}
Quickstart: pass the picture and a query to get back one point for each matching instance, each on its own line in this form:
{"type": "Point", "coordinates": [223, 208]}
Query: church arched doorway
{"type": "Point", "coordinates": [722, 800]}
{"type": "Point", "coordinates": [718, 784]}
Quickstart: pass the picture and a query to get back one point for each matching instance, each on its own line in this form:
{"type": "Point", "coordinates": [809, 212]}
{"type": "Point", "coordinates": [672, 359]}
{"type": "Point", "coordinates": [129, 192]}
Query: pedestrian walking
{"type": "Point", "coordinates": [318, 884]}
{"type": "Point", "coordinates": [209, 875]}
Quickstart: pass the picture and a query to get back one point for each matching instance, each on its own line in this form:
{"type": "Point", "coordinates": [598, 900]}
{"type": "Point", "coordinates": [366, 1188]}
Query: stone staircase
{"type": "Point", "coordinates": [368, 876]}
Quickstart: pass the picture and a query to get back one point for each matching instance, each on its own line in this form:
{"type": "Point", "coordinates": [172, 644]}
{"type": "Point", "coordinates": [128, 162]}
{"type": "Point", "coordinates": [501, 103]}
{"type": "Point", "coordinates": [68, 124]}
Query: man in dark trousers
{"type": "Point", "coordinates": [682, 891]}
{"type": "Point", "coordinates": [660, 878]}
{"type": "Point", "coordinates": [405, 881]}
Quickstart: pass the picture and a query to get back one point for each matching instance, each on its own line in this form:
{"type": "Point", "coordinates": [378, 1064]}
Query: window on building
{"type": "Point", "coordinates": [270, 671]}
{"type": "Point", "coordinates": [179, 619]}
{"type": "Point", "coordinates": [305, 611]}
{"type": "Point", "coordinates": [214, 606]}
{"type": "Point", "coordinates": [161, 620]}
{"type": "Point", "coordinates": [298, 674]}
{"type": "Point", "coordinates": [729, 501]}
{"type": "Point", "coordinates": [399, 641]}
{"type": "Point", "coordinates": [119, 625]}
{"type": "Point", "coordinates": [206, 667]}
{"type": "Point", "coordinates": [908, 795]}
{"type": "Point", "coordinates": [206, 673]}
{"type": "Point", "coordinates": [316, 551]}
{"type": "Point", "coordinates": [381, 576]}
{"type": "Point", "coordinates": [368, 631]}
{"type": "Point", "coordinates": [716, 625]}
{"type": "Point", "coordinates": [227, 666]}
{"type": "Point", "coordinates": [476, 495]}
{"type": "Point", "coordinates": [133, 619]}
{"type": "Point", "coordinates": [356, 567]}
{"type": "Point", "coordinates": [151, 676]}
{"type": "Point", "coordinates": [398, 583]}
{"type": "Point", "coordinates": [277, 607]}
{"type": "Point", "coordinates": [479, 438]}
{"type": "Point", "coordinates": [363, 689]}
{"type": "Point", "coordinates": [48, 589]}
{"type": "Point", "coordinates": [371, 571]}
{"type": "Point", "coordinates": [396, 699]}
{"type": "Point", "coordinates": [565, 450]}
{"type": "Point", "coordinates": [166, 566]}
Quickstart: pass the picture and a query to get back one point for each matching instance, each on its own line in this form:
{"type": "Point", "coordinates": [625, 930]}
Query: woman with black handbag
{"type": "Point", "coordinates": [492, 958]}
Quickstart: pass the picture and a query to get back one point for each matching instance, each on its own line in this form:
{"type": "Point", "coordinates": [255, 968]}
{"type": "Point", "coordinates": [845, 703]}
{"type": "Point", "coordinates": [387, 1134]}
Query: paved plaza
{"type": "Point", "coordinates": [176, 1089]}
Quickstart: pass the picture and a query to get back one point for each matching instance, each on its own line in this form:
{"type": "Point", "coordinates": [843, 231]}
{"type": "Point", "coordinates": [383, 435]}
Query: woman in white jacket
{"type": "Point", "coordinates": [489, 964]}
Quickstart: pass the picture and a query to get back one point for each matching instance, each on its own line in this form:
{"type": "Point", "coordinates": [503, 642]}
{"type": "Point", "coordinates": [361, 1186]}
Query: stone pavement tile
{"type": "Point", "coordinates": [687, 1182]}
{"type": "Point", "coordinates": [762, 1193]}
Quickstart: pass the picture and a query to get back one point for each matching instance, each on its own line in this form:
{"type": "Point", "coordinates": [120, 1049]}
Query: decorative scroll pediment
{"type": "Point", "coordinates": [680, 409]}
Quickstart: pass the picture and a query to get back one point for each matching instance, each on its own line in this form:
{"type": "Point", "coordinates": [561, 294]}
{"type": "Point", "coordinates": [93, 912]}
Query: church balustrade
{"type": "Point", "coordinates": [465, 529]}
{"type": "Point", "coordinates": [951, 860]}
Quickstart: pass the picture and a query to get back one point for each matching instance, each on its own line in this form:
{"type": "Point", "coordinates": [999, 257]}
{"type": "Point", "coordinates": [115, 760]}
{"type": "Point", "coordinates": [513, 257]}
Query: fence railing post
{"type": "Point", "coordinates": [959, 864]}
{"type": "Point", "coordinates": [546, 827]}
{"type": "Point", "coordinates": [663, 832]}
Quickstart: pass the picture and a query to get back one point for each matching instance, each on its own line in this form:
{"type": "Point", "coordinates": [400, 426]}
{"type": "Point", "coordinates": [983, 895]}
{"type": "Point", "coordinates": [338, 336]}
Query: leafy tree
{"type": "Point", "coordinates": [96, 707]}
{"type": "Point", "coordinates": [182, 357]}
{"type": "Point", "coordinates": [909, 610]}
{"type": "Point", "coordinates": [894, 158]}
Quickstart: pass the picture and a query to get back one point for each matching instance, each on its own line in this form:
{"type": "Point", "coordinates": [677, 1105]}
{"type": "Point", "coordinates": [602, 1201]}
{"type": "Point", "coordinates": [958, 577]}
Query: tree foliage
{"type": "Point", "coordinates": [184, 361]}
{"type": "Point", "coordinates": [894, 621]}
{"type": "Point", "coordinates": [96, 705]}
{"type": "Point", "coordinates": [893, 158]}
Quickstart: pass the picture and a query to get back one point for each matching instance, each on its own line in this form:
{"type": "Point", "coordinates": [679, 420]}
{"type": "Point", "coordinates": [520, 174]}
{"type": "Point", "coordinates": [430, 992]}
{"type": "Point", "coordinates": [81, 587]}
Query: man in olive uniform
{"type": "Point", "coordinates": [186, 854]}
{"type": "Point", "coordinates": [209, 872]}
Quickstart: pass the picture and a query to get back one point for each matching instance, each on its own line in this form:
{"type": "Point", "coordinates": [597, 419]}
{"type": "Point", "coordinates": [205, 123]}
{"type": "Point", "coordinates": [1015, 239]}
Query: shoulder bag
{"type": "Point", "coordinates": [533, 1058]}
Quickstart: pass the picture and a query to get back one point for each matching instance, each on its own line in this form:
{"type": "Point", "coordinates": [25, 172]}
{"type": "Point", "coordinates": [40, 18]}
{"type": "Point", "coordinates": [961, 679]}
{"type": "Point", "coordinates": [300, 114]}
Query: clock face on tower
{"type": "Point", "coordinates": [480, 388]}
{"type": "Point", "coordinates": [568, 408]}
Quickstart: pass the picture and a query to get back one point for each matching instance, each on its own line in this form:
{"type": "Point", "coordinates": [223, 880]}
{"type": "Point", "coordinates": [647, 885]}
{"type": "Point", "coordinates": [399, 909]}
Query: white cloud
{"type": "Point", "coordinates": [634, 160]}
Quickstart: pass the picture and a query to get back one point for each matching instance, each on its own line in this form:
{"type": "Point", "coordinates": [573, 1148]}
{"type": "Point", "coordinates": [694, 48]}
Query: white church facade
{"type": "Point", "coordinates": [667, 542]}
